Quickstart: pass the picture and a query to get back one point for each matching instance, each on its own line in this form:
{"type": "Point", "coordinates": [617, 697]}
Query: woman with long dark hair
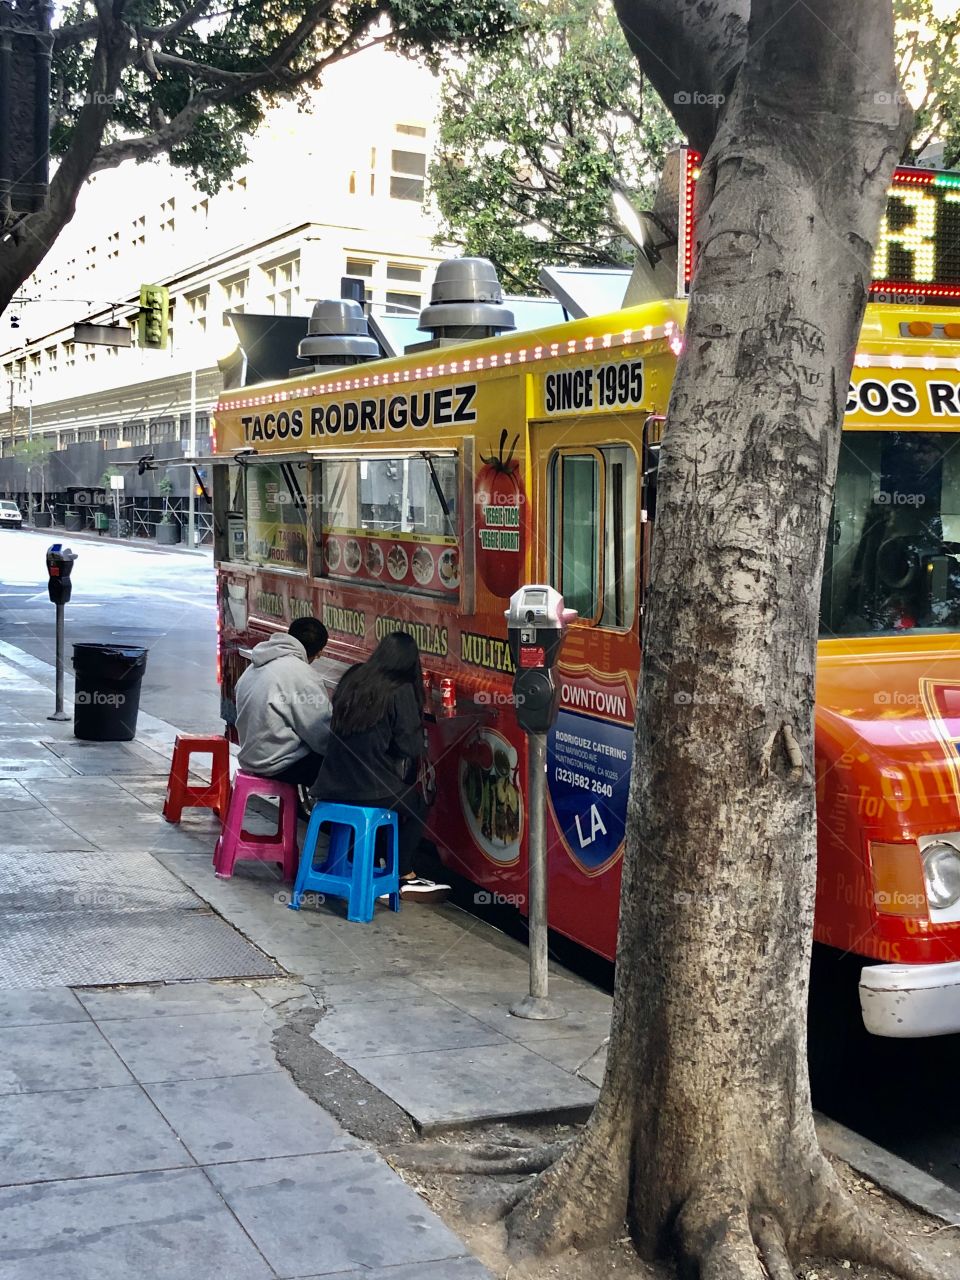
{"type": "Point", "coordinates": [376, 741]}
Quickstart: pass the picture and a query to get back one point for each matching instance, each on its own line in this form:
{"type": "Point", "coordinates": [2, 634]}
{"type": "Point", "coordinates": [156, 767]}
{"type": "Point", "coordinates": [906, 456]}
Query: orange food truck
{"type": "Point", "coordinates": [417, 491]}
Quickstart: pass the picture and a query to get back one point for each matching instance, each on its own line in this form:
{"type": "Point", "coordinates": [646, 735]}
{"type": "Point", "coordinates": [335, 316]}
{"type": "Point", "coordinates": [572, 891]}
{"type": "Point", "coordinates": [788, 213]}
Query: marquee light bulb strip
{"type": "Point", "coordinates": [472, 364]}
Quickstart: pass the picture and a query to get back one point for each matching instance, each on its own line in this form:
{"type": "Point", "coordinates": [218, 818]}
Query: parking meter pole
{"type": "Point", "coordinates": [59, 567]}
{"type": "Point", "coordinates": [59, 713]}
{"type": "Point", "coordinates": [536, 622]}
{"type": "Point", "coordinates": [537, 1005]}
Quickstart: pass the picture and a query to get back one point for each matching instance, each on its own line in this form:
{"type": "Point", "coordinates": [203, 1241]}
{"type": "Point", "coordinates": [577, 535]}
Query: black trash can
{"type": "Point", "coordinates": [107, 691]}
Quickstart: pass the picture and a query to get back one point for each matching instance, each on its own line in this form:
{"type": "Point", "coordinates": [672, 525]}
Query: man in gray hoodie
{"type": "Point", "coordinates": [283, 712]}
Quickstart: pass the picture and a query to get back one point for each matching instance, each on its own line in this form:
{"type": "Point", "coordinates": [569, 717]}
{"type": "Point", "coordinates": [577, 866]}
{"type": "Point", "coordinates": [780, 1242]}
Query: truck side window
{"type": "Point", "coordinates": [593, 552]}
{"type": "Point", "coordinates": [577, 498]}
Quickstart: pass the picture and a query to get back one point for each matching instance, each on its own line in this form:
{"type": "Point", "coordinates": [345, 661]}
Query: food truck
{"type": "Point", "coordinates": [417, 491]}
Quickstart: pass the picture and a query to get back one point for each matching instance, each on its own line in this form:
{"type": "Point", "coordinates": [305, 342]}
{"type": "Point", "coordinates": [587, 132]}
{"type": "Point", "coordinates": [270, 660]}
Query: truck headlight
{"type": "Point", "coordinates": [941, 873]}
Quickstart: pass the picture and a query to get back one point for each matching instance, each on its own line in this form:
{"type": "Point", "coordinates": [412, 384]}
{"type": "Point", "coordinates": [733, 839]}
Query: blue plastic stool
{"type": "Point", "coordinates": [359, 881]}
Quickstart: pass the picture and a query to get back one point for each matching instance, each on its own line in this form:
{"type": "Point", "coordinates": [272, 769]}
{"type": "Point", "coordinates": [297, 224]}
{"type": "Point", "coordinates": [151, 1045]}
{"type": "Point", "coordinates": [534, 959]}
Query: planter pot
{"type": "Point", "coordinates": [73, 521]}
{"type": "Point", "coordinates": [42, 519]}
{"type": "Point", "coordinates": [168, 535]}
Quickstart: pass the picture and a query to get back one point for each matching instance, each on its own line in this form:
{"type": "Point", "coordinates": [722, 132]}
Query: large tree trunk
{"type": "Point", "coordinates": [703, 1137]}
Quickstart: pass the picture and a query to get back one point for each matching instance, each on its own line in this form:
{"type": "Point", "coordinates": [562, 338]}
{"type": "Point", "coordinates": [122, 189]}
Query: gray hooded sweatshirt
{"type": "Point", "coordinates": [282, 707]}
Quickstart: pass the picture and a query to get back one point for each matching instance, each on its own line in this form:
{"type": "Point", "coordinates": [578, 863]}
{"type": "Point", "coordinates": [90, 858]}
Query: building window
{"type": "Point", "coordinates": [282, 285]}
{"type": "Point", "coordinates": [110, 432]}
{"type": "Point", "coordinates": [51, 355]}
{"type": "Point", "coordinates": [403, 304]}
{"type": "Point", "coordinates": [362, 268]}
{"type": "Point", "coordinates": [34, 364]}
{"type": "Point", "coordinates": [167, 221]}
{"type": "Point", "coordinates": [399, 271]}
{"type": "Point", "coordinates": [234, 295]}
{"type": "Point", "coordinates": [69, 355]}
{"type": "Point", "coordinates": [408, 172]}
{"type": "Point", "coordinates": [412, 130]}
{"type": "Point", "coordinates": [164, 429]}
{"type": "Point", "coordinates": [197, 309]}
{"type": "Point", "coordinates": [135, 432]}
{"type": "Point", "coordinates": [86, 436]}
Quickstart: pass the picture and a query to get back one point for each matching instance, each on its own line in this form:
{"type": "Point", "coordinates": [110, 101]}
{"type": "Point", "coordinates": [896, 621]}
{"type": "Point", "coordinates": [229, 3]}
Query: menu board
{"type": "Point", "coordinates": [416, 562]}
{"type": "Point", "coordinates": [275, 533]}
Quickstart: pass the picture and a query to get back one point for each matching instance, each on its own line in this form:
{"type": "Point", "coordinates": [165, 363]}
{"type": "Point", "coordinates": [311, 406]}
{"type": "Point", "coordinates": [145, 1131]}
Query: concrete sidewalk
{"type": "Point", "coordinates": [417, 1003]}
{"type": "Point", "coordinates": [150, 1129]}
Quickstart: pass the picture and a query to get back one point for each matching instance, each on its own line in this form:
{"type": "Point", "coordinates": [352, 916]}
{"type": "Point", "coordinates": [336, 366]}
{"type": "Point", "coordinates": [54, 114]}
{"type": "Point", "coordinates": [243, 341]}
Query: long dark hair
{"type": "Point", "coordinates": [363, 696]}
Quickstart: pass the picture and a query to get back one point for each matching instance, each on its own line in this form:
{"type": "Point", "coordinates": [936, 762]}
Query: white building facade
{"type": "Point", "coordinates": [335, 190]}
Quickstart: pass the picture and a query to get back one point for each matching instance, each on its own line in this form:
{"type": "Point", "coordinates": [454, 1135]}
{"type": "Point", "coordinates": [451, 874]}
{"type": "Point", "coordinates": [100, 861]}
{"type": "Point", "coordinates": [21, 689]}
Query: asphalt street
{"type": "Point", "coordinates": [165, 601]}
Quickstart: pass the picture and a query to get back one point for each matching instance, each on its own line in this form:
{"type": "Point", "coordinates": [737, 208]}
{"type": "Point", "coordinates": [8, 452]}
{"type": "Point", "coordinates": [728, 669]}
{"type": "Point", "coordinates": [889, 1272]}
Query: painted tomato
{"type": "Point", "coordinates": [499, 519]}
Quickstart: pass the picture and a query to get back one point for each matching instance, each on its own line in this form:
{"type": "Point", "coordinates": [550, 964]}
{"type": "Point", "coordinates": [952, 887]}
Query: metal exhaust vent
{"type": "Point", "coordinates": [466, 302]}
{"type": "Point", "coordinates": [337, 336]}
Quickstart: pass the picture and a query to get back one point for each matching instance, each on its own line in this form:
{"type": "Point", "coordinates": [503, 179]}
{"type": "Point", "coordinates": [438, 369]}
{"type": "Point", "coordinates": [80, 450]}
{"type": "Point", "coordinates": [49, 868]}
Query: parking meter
{"type": "Point", "coordinates": [537, 621]}
{"type": "Point", "coordinates": [59, 566]}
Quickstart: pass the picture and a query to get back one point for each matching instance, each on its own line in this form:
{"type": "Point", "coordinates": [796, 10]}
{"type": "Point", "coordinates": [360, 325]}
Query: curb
{"type": "Point", "coordinates": [136, 544]}
{"type": "Point", "coordinates": [900, 1179]}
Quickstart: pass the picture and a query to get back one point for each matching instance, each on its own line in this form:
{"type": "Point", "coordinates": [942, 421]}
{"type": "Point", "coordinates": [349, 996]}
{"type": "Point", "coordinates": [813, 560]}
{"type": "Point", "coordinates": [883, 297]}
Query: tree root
{"type": "Point", "coordinates": [720, 1239]}
{"type": "Point", "coordinates": [581, 1200]}
{"type": "Point", "coordinates": [492, 1159]}
{"type": "Point", "coordinates": [844, 1230]}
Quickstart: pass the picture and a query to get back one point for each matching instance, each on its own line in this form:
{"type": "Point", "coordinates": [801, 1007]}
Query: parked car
{"type": "Point", "coordinates": [10, 515]}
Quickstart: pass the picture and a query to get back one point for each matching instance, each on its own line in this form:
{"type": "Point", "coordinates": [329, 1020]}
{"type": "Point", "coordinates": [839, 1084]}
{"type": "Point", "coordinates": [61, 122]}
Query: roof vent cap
{"type": "Point", "coordinates": [466, 301]}
{"type": "Point", "coordinates": [338, 335]}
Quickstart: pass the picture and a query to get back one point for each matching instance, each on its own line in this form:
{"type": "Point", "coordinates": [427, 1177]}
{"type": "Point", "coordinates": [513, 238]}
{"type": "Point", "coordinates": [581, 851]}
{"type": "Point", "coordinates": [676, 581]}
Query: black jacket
{"type": "Point", "coordinates": [378, 764]}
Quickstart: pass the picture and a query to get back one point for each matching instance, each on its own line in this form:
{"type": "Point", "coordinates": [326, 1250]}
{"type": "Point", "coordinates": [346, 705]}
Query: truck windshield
{"type": "Point", "coordinates": [893, 548]}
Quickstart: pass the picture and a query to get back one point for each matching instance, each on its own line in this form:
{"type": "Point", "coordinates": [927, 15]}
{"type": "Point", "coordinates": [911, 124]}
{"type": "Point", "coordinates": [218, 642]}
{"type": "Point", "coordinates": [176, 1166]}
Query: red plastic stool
{"type": "Point", "coordinates": [215, 794]}
{"type": "Point", "coordinates": [235, 843]}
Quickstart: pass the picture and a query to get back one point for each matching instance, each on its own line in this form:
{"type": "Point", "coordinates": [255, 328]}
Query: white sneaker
{"type": "Point", "coordinates": [421, 890]}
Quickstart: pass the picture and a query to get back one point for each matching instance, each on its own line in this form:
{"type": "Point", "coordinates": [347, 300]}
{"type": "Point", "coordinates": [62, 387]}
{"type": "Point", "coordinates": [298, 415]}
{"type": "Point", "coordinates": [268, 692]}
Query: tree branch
{"type": "Point", "coordinates": [688, 49]}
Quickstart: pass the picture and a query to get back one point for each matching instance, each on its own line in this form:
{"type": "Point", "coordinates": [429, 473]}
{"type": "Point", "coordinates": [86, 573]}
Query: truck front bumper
{"type": "Point", "coordinates": [908, 1001]}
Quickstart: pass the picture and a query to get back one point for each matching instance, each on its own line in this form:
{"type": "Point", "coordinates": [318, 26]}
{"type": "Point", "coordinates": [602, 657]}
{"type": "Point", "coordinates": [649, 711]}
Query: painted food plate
{"type": "Point", "coordinates": [397, 562]}
{"type": "Point", "coordinates": [332, 553]}
{"type": "Point", "coordinates": [374, 559]}
{"type": "Point", "coordinates": [490, 796]}
{"type": "Point", "coordinates": [423, 566]}
{"type": "Point", "coordinates": [351, 555]}
{"type": "Point", "coordinates": [449, 569]}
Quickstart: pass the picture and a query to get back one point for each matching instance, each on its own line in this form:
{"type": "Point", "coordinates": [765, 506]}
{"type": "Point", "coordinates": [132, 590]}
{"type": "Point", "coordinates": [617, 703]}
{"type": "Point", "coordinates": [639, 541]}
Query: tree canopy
{"type": "Point", "coordinates": [535, 137]}
{"type": "Point", "coordinates": [191, 79]}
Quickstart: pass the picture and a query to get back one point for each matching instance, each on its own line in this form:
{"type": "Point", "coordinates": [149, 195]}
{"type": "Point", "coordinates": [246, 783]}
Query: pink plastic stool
{"type": "Point", "coordinates": [235, 843]}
